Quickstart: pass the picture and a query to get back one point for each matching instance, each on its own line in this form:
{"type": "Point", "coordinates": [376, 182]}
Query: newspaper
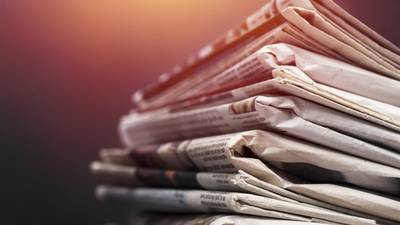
{"type": "Point", "coordinates": [259, 152]}
{"type": "Point", "coordinates": [292, 115]}
{"type": "Point", "coordinates": [242, 182]}
{"type": "Point", "coordinates": [318, 68]}
{"type": "Point", "coordinates": [374, 91]}
{"type": "Point", "coordinates": [208, 219]}
{"type": "Point", "coordinates": [266, 84]}
{"type": "Point", "coordinates": [320, 26]}
{"type": "Point", "coordinates": [316, 29]}
{"type": "Point", "coordinates": [262, 37]}
{"type": "Point", "coordinates": [292, 80]}
{"type": "Point", "coordinates": [279, 35]}
{"type": "Point", "coordinates": [174, 200]}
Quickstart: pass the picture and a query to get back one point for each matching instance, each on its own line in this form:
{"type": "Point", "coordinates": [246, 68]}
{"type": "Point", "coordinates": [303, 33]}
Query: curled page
{"type": "Point", "coordinates": [341, 75]}
{"type": "Point", "coordinates": [318, 30]}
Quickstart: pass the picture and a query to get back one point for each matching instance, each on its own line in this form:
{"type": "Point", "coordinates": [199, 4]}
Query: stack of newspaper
{"type": "Point", "coordinates": [291, 117]}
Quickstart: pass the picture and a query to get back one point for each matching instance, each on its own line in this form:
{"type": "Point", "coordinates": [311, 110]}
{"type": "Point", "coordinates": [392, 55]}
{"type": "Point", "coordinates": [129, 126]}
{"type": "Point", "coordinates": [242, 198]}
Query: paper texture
{"type": "Point", "coordinates": [214, 201]}
{"type": "Point", "coordinates": [377, 103]}
{"type": "Point", "coordinates": [260, 153]}
{"type": "Point", "coordinates": [244, 182]}
{"type": "Point", "coordinates": [293, 116]}
{"type": "Point", "coordinates": [320, 26]}
{"type": "Point", "coordinates": [208, 219]}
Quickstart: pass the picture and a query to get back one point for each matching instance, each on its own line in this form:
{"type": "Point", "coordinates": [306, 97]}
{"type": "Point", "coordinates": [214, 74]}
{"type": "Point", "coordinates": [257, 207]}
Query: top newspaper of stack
{"type": "Point", "coordinates": [317, 25]}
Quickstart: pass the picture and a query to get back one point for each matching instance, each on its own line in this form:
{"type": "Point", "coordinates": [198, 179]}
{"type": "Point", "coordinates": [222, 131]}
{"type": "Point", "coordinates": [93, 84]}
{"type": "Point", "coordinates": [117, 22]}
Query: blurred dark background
{"type": "Point", "coordinates": [68, 70]}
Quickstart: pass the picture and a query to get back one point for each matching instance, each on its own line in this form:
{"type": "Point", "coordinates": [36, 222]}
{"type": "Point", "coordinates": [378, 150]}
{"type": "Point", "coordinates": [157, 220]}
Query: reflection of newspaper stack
{"type": "Point", "coordinates": [294, 114]}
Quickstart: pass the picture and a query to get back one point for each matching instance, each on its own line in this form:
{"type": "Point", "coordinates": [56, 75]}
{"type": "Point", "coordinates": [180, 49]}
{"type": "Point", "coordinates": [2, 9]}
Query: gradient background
{"type": "Point", "coordinates": [68, 69]}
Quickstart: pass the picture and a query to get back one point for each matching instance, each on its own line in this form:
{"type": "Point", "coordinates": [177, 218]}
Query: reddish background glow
{"type": "Point", "coordinates": [68, 69]}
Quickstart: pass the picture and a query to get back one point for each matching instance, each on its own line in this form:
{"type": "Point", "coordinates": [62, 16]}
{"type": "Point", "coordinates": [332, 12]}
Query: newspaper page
{"type": "Point", "coordinates": [318, 30]}
{"type": "Point", "coordinates": [293, 116]}
{"type": "Point", "coordinates": [331, 14]}
{"type": "Point", "coordinates": [291, 80]}
{"type": "Point", "coordinates": [380, 104]}
{"type": "Point", "coordinates": [141, 176]}
{"type": "Point", "coordinates": [286, 187]}
{"type": "Point", "coordinates": [173, 200]}
{"type": "Point", "coordinates": [283, 33]}
{"type": "Point", "coordinates": [241, 182]}
{"type": "Point", "coordinates": [219, 49]}
{"type": "Point", "coordinates": [365, 57]}
{"type": "Point", "coordinates": [318, 68]}
{"type": "Point", "coordinates": [340, 16]}
{"type": "Point", "coordinates": [209, 219]}
{"type": "Point", "coordinates": [378, 112]}
{"type": "Point", "coordinates": [323, 94]}
{"type": "Point", "coordinates": [229, 153]}
{"type": "Point", "coordinates": [186, 85]}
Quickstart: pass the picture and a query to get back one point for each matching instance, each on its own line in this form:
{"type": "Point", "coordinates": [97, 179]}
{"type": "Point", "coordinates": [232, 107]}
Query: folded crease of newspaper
{"type": "Point", "coordinates": [380, 208]}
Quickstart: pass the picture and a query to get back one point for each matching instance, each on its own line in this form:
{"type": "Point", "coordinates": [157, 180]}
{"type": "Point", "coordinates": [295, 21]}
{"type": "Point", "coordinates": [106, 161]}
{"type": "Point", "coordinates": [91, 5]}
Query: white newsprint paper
{"type": "Point", "coordinates": [326, 81]}
{"type": "Point", "coordinates": [317, 68]}
{"type": "Point", "coordinates": [244, 182]}
{"type": "Point", "coordinates": [290, 115]}
{"type": "Point", "coordinates": [173, 200]}
{"type": "Point", "coordinates": [259, 153]}
{"type": "Point", "coordinates": [317, 25]}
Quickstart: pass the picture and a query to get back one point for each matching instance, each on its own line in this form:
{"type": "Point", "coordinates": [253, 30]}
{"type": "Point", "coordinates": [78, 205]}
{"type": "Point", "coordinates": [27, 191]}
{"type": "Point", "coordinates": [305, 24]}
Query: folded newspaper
{"type": "Point", "coordinates": [260, 153]}
{"type": "Point", "coordinates": [317, 25]}
{"type": "Point", "coordinates": [383, 209]}
{"type": "Point", "coordinates": [291, 115]}
{"type": "Point", "coordinates": [317, 78]}
{"type": "Point", "coordinates": [317, 70]}
{"type": "Point", "coordinates": [209, 219]}
{"type": "Point", "coordinates": [173, 200]}
{"type": "Point", "coordinates": [227, 153]}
